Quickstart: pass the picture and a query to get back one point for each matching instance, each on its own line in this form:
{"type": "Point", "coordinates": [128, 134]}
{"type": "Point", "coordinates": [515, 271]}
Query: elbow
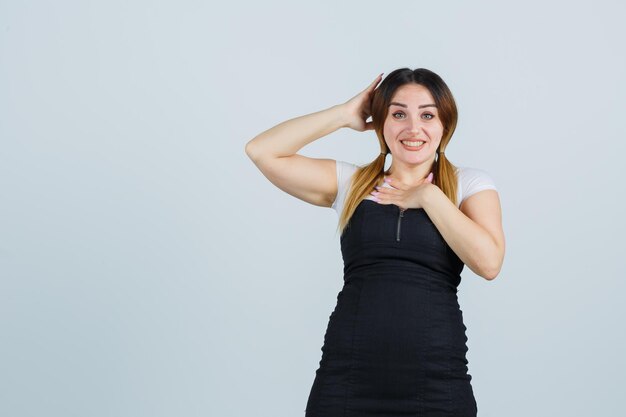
{"type": "Point", "coordinates": [248, 149]}
{"type": "Point", "coordinates": [493, 271]}
{"type": "Point", "coordinates": [491, 274]}
{"type": "Point", "coordinates": [485, 270]}
{"type": "Point", "coordinates": [256, 151]}
{"type": "Point", "coordinates": [492, 268]}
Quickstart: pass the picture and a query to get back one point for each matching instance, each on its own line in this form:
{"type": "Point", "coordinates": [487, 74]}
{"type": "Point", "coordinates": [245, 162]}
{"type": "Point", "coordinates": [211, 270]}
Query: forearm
{"type": "Point", "coordinates": [288, 137]}
{"type": "Point", "coordinates": [470, 241]}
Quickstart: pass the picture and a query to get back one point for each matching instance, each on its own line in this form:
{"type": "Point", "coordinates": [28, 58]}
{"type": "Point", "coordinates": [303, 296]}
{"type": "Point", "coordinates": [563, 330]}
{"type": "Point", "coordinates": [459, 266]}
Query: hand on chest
{"type": "Point", "coordinates": [376, 223]}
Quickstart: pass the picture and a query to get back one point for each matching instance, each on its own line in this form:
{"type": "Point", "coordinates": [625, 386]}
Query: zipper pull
{"type": "Point", "coordinates": [399, 220]}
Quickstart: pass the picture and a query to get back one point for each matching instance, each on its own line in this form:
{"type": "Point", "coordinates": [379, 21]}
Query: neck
{"type": "Point", "coordinates": [410, 174]}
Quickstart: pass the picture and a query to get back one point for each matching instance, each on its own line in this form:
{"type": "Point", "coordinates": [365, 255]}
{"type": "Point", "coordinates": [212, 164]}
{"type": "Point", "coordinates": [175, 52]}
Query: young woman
{"type": "Point", "coordinates": [395, 343]}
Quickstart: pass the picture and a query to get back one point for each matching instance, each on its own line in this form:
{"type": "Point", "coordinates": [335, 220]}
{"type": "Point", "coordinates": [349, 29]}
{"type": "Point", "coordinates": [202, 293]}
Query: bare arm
{"type": "Point", "coordinates": [473, 231]}
{"type": "Point", "coordinates": [313, 180]}
{"type": "Point", "coordinates": [287, 138]}
{"type": "Point", "coordinates": [274, 153]}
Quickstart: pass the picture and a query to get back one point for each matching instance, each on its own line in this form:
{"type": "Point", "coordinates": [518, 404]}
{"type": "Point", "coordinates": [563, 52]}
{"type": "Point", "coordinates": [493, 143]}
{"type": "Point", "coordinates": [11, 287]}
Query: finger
{"type": "Point", "coordinates": [383, 189]}
{"type": "Point", "coordinates": [387, 199]}
{"type": "Point", "coordinates": [395, 184]}
{"type": "Point", "coordinates": [379, 193]}
{"type": "Point", "coordinates": [380, 200]}
{"type": "Point", "coordinates": [376, 81]}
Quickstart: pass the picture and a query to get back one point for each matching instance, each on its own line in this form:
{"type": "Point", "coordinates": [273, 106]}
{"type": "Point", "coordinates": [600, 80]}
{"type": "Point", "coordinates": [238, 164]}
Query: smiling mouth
{"type": "Point", "coordinates": [413, 145]}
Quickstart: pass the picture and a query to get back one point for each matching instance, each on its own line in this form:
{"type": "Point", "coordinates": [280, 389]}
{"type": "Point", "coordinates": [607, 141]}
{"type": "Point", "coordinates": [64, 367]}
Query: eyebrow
{"type": "Point", "coordinates": [405, 106]}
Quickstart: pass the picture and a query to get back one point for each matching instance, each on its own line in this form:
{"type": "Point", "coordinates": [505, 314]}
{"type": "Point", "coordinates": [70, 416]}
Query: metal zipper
{"type": "Point", "coordinates": [400, 216]}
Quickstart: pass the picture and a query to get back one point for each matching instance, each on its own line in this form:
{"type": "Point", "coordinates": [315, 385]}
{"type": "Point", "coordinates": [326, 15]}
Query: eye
{"type": "Point", "coordinates": [425, 114]}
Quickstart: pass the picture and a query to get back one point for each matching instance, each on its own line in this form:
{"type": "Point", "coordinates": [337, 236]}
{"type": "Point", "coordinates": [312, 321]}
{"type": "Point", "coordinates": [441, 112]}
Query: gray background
{"type": "Point", "coordinates": [149, 269]}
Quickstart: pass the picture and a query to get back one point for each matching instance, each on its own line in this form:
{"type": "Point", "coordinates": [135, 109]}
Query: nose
{"type": "Point", "coordinates": [415, 125]}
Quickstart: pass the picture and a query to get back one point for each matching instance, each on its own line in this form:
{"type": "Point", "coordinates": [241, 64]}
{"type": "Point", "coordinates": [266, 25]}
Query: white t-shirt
{"type": "Point", "coordinates": [471, 181]}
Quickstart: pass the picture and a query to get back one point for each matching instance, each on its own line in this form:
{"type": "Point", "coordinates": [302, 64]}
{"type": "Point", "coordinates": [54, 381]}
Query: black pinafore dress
{"type": "Point", "coordinates": [395, 344]}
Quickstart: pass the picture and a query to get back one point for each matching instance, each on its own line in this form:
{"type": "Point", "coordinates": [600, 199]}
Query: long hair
{"type": "Point", "coordinates": [369, 175]}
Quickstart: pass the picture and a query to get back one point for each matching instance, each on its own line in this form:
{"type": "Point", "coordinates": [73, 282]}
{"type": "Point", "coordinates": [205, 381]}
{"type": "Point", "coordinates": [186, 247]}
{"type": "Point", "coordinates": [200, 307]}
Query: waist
{"type": "Point", "coordinates": [413, 273]}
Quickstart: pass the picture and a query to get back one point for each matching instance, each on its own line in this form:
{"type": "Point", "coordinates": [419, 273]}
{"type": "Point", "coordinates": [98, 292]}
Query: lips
{"type": "Point", "coordinates": [413, 148]}
{"type": "Point", "coordinates": [413, 139]}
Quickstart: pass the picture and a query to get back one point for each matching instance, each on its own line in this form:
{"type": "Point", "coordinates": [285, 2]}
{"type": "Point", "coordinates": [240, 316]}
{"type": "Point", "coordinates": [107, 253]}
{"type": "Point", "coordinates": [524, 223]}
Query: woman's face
{"type": "Point", "coordinates": [412, 115]}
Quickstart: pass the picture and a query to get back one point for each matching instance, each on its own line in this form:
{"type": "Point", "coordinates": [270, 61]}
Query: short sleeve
{"type": "Point", "coordinates": [471, 181]}
{"type": "Point", "coordinates": [345, 170]}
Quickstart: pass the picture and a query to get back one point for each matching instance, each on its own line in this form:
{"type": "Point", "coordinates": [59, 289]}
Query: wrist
{"type": "Point", "coordinates": [430, 195]}
{"type": "Point", "coordinates": [340, 115]}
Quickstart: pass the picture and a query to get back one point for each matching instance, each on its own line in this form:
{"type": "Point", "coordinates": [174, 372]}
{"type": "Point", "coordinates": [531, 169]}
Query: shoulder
{"type": "Point", "coordinates": [472, 180]}
{"type": "Point", "coordinates": [469, 173]}
{"type": "Point", "coordinates": [345, 170]}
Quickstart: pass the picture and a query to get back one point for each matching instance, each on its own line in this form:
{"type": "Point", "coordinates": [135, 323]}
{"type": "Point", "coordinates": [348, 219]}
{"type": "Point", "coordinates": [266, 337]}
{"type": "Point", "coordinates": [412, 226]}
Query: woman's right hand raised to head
{"type": "Point", "coordinates": [358, 108]}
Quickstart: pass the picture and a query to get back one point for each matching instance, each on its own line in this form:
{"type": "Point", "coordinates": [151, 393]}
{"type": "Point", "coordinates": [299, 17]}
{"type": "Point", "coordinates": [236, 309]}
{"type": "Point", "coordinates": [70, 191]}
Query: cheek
{"type": "Point", "coordinates": [388, 134]}
{"type": "Point", "coordinates": [440, 128]}
{"type": "Point", "coordinates": [390, 131]}
{"type": "Point", "coordinates": [436, 132]}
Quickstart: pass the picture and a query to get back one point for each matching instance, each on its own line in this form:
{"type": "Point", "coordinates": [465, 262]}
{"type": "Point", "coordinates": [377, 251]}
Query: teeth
{"type": "Point", "coordinates": [419, 143]}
